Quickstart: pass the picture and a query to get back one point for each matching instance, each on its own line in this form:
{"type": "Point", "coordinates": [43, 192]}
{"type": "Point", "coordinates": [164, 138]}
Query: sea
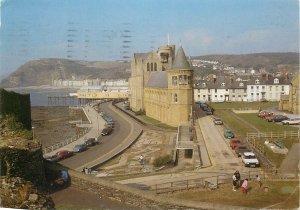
{"type": "Point", "coordinates": [39, 95]}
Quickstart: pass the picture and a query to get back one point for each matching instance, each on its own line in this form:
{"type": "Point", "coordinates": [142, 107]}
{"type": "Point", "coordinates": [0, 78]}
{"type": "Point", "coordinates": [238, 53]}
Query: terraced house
{"type": "Point", "coordinates": [221, 89]}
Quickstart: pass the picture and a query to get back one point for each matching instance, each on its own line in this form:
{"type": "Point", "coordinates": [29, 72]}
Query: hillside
{"type": "Point", "coordinates": [43, 71]}
{"type": "Point", "coordinates": [270, 61]}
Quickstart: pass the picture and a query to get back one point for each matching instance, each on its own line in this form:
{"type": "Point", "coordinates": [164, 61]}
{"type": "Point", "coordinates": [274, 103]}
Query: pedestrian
{"type": "Point", "coordinates": [245, 186]}
{"type": "Point", "coordinates": [258, 180]}
{"type": "Point", "coordinates": [141, 159]}
{"type": "Point", "coordinates": [233, 182]}
{"type": "Point", "coordinates": [86, 170]}
{"type": "Point", "coordinates": [238, 178]}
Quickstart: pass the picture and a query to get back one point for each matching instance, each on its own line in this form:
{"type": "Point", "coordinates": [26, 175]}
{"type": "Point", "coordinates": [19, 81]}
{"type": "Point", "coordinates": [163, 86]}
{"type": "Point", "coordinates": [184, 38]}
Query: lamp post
{"type": "Point", "coordinates": [33, 136]}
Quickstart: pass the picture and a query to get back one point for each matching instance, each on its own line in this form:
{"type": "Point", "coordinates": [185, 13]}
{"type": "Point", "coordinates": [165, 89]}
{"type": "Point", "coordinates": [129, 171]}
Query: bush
{"type": "Point", "coordinates": [17, 127]}
{"type": "Point", "coordinates": [163, 160]}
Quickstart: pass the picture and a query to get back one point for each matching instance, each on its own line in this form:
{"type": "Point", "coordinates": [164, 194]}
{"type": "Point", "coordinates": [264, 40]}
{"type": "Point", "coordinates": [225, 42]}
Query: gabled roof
{"type": "Point", "coordinates": [180, 62]}
{"type": "Point", "coordinates": [158, 79]}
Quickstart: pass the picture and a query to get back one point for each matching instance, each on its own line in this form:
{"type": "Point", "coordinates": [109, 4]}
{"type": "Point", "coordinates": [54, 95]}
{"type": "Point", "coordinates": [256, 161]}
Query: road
{"type": "Point", "coordinates": [108, 143]}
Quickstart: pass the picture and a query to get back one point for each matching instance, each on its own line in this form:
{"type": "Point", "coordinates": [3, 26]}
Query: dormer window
{"type": "Point", "coordinates": [241, 84]}
{"type": "Point", "coordinates": [257, 81]}
{"type": "Point", "coordinates": [204, 84]}
{"type": "Point", "coordinates": [223, 84]}
{"type": "Point", "coordinates": [276, 81]}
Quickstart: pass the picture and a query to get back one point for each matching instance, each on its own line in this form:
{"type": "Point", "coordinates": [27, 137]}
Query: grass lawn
{"type": "Point", "coordinates": [281, 194]}
{"type": "Point", "coordinates": [151, 121]}
{"type": "Point", "coordinates": [265, 126]}
{"type": "Point", "coordinates": [237, 105]}
{"type": "Point", "coordinates": [233, 124]}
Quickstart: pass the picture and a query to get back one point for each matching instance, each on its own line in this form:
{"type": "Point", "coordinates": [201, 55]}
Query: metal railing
{"type": "Point", "coordinates": [66, 142]}
{"type": "Point", "coordinates": [284, 134]}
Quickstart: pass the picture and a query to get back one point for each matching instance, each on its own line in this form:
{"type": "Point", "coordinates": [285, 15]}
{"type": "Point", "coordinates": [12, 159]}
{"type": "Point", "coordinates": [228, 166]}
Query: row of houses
{"type": "Point", "coordinates": [221, 89]}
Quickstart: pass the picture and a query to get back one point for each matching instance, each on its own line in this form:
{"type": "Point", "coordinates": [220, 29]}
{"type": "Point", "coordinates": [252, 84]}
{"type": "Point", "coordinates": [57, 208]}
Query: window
{"type": "Point", "coordinates": [216, 90]}
{"type": "Point", "coordinates": [263, 87]}
{"type": "Point", "coordinates": [148, 67]}
{"type": "Point", "coordinates": [189, 80]}
{"type": "Point", "coordinates": [175, 98]}
{"type": "Point", "coordinates": [282, 88]}
{"type": "Point", "coordinates": [226, 89]}
{"type": "Point", "coordinates": [233, 96]}
{"type": "Point", "coordinates": [155, 67]}
{"type": "Point", "coordinates": [221, 96]}
{"type": "Point", "coordinates": [180, 79]}
{"type": "Point", "coordinates": [257, 81]}
{"type": "Point", "coordinates": [257, 94]}
{"type": "Point", "coordinates": [276, 81]}
{"type": "Point", "coordinates": [216, 96]}
{"type": "Point", "coordinates": [257, 87]}
{"type": "Point", "coordinates": [208, 90]}
{"type": "Point", "coordinates": [239, 96]}
{"type": "Point", "coordinates": [251, 94]}
{"type": "Point", "coordinates": [198, 90]}
{"type": "Point", "coordinates": [270, 88]}
{"type": "Point", "coordinates": [252, 87]}
{"type": "Point", "coordinates": [223, 84]}
{"type": "Point", "coordinates": [198, 96]}
{"type": "Point", "coordinates": [174, 80]}
{"type": "Point", "coordinates": [204, 96]}
{"type": "Point", "coordinates": [204, 84]}
{"type": "Point", "coordinates": [233, 90]}
{"type": "Point", "coordinates": [245, 90]}
{"type": "Point", "coordinates": [276, 88]}
{"type": "Point", "coordinates": [241, 84]}
{"type": "Point", "coordinates": [151, 66]}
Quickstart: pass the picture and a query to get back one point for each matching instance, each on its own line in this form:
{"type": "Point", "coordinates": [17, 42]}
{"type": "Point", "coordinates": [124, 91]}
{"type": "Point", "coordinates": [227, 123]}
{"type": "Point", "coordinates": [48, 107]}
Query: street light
{"type": "Point", "coordinates": [33, 132]}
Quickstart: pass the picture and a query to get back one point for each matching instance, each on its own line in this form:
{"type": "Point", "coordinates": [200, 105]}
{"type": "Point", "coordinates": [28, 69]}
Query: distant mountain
{"type": "Point", "coordinates": [270, 61]}
{"type": "Point", "coordinates": [43, 71]}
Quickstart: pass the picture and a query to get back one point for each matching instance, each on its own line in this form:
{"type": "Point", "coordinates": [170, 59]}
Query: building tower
{"type": "Point", "coordinates": [180, 89]}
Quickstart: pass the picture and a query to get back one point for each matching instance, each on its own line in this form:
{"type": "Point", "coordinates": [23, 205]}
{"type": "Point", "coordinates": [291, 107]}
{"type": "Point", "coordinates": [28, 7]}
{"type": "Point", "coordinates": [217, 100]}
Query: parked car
{"type": "Point", "coordinates": [208, 112]}
{"type": "Point", "coordinates": [91, 142]}
{"type": "Point", "coordinates": [279, 118]}
{"type": "Point", "coordinates": [269, 118]}
{"type": "Point", "coordinates": [268, 115]}
{"type": "Point", "coordinates": [106, 131]}
{"type": "Point", "coordinates": [202, 105]}
{"type": "Point", "coordinates": [63, 154]}
{"type": "Point", "coordinates": [262, 114]}
{"type": "Point", "coordinates": [235, 142]}
{"type": "Point", "coordinates": [53, 158]}
{"type": "Point", "coordinates": [218, 121]}
{"type": "Point", "coordinates": [250, 160]}
{"type": "Point", "coordinates": [205, 108]}
{"type": "Point", "coordinates": [294, 121]}
{"type": "Point", "coordinates": [80, 148]}
{"type": "Point", "coordinates": [228, 134]}
{"type": "Point", "coordinates": [239, 150]}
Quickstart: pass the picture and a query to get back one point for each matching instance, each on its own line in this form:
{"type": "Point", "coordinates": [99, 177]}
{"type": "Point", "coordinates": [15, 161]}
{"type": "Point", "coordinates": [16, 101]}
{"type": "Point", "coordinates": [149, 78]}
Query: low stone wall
{"type": "Point", "coordinates": [245, 111]}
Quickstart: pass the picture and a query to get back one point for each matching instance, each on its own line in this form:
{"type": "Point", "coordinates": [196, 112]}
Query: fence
{"type": "Point", "coordinates": [271, 135]}
{"type": "Point", "coordinates": [211, 182]}
{"type": "Point", "coordinates": [66, 142]}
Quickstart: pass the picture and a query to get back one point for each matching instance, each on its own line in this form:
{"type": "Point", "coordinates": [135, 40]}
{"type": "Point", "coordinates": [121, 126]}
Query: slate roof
{"type": "Point", "coordinates": [158, 79]}
{"type": "Point", "coordinates": [180, 61]}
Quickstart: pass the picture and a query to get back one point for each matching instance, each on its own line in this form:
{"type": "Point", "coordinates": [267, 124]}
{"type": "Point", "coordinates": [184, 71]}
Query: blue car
{"type": "Point", "coordinates": [80, 148]}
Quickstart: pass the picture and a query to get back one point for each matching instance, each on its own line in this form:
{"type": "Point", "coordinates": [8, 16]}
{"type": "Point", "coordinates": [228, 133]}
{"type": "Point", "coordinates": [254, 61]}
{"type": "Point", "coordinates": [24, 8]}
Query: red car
{"type": "Point", "coordinates": [63, 154]}
{"type": "Point", "coordinates": [265, 114]}
{"type": "Point", "coordinates": [235, 142]}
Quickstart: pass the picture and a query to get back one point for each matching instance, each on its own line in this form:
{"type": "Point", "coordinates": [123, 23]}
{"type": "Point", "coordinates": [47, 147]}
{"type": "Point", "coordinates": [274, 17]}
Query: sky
{"type": "Point", "coordinates": [97, 30]}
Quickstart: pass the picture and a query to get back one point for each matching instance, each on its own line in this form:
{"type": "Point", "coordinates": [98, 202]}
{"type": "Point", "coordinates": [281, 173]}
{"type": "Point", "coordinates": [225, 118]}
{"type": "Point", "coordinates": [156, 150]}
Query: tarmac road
{"type": "Point", "coordinates": [107, 143]}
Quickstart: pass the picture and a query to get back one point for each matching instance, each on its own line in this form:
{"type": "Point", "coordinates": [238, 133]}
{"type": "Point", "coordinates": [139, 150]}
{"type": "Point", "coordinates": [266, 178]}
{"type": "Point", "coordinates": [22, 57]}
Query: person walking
{"type": "Point", "coordinates": [141, 159]}
{"type": "Point", "coordinates": [233, 182]}
{"type": "Point", "coordinates": [245, 186]}
{"type": "Point", "coordinates": [258, 180]}
{"type": "Point", "coordinates": [238, 179]}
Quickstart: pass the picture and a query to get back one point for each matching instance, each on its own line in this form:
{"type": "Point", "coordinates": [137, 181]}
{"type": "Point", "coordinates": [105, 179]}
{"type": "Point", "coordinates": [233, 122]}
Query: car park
{"type": "Point", "coordinates": [239, 150]}
{"type": "Point", "coordinates": [250, 160]}
{"type": "Point", "coordinates": [106, 131]}
{"type": "Point", "coordinates": [294, 121]}
{"type": "Point", "coordinates": [228, 134]}
{"type": "Point", "coordinates": [63, 154]}
{"type": "Point", "coordinates": [80, 148]}
{"type": "Point", "coordinates": [218, 121]}
{"type": "Point", "coordinates": [234, 142]}
{"type": "Point", "coordinates": [91, 142]}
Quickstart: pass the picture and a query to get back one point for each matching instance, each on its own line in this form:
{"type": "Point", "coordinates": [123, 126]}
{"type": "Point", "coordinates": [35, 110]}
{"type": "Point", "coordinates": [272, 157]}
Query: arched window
{"type": "Point", "coordinates": [148, 67]}
{"type": "Point", "coordinates": [175, 98]}
{"type": "Point", "coordinates": [151, 66]}
{"type": "Point", "coordinates": [276, 81]}
{"type": "Point", "coordinates": [223, 84]}
{"type": "Point", "coordinates": [155, 67]}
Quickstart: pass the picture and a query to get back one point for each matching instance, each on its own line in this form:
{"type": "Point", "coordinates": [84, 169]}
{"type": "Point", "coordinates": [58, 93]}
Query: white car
{"type": "Point", "coordinates": [250, 160]}
{"type": "Point", "coordinates": [295, 121]}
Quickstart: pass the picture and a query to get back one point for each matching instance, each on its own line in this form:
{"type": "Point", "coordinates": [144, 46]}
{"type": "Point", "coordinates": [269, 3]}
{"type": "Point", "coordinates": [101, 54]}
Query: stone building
{"type": "Point", "coordinates": [161, 85]}
{"type": "Point", "coordinates": [290, 102]}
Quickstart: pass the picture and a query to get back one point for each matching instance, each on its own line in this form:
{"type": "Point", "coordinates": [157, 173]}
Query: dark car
{"type": "Point", "coordinates": [241, 149]}
{"type": "Point", "coordinates": [208, 112]}
{"type": "Point", "coordinates": [202, 105]}
{"type": "Point", "coordinates": [279, 118]}
{"type": "Point", "coordinates": [218, 121]}
{"type": "Point", "coordinates": [53, 158]}
{"type": "Point", "coordinates": [80, 148]}
{"type": "Point", "coordinates": [106, 131]}
{"type": "Point", "coordinates": [63, 154]}
{"type": "Point", "coordinates": [205, 108]}
{"type": "Point", "coordinates": [91, 142]}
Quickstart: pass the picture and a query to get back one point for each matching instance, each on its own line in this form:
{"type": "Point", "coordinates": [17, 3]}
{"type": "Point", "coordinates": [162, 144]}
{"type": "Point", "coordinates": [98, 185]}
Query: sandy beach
{"type": "Point", "coordinates": [51, 123]}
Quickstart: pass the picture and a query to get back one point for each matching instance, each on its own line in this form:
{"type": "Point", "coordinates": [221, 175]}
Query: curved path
{"type": "Point", "coordinates": [125, 133]}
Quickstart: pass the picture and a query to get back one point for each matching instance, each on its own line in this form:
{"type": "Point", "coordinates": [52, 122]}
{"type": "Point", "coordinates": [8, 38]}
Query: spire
{"type": "Point", "coordinates": [180, 61]}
